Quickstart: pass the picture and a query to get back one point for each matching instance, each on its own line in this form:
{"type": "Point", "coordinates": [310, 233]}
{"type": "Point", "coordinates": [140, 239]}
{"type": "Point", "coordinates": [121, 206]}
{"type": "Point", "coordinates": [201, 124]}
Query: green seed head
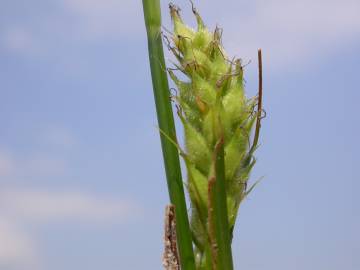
{"type": "Point", "coordinates": [212, 103]}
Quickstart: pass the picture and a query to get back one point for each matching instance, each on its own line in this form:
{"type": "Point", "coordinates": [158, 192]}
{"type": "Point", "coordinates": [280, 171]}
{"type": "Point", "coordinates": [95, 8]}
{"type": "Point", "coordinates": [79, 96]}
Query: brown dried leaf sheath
{"type": "Point", "coordinates": [170, 256]}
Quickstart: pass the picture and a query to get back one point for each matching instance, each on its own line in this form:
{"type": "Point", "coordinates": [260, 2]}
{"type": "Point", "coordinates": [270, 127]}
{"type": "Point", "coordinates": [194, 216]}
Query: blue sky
{"type": "Point", "coordinates": [81, 177]}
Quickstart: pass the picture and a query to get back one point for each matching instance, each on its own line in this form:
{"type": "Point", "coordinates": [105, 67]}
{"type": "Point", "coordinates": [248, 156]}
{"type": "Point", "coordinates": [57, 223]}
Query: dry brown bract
{"type": "Point", "coordinates": [170, 256]}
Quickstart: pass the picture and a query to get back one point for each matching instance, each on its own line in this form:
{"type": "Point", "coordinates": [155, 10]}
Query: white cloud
{"type": "Point", "coordinates": [18, 40]}
{"type": "Point", "coordinates": [74, 21]}
{"type": "Point", "coordinates": [293, 32]}
{"type": "Point", "coordinates": [51, 206]}
{"type": "Point", "coordinates": [37, 165]}
{"type": "Point", "coordinates": [17, 249]}
{"type": "Point", "coordinates": [110, 18]}
{"type": "Point", "coordinates": [23, 207]}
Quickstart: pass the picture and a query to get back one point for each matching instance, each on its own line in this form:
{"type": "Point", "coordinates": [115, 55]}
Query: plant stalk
{"type": "Point", "coordinates": [223, 254]}
{"type": "Point", "coordinates": [152, 14]}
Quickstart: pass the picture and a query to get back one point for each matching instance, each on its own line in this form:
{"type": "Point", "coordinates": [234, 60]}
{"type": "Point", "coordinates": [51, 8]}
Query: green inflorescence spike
{"type": "Point", "coordinates": [211, 100]}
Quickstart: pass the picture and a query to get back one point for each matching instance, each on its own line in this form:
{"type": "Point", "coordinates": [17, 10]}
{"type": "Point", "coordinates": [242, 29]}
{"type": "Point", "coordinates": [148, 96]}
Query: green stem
{"type": "Point", "coordinates": [152, 14]}
{"type": "Point", "coordinates": [220, 213]}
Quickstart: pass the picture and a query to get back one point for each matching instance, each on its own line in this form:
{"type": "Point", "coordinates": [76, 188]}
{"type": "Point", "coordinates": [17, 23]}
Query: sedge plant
{"type": "Point", "coordinates": [221, 132]}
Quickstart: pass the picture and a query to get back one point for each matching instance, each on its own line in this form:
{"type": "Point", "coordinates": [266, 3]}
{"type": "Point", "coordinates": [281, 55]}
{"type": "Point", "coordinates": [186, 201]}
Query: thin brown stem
{"type": "Point", "coordinates": [259, 105]}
